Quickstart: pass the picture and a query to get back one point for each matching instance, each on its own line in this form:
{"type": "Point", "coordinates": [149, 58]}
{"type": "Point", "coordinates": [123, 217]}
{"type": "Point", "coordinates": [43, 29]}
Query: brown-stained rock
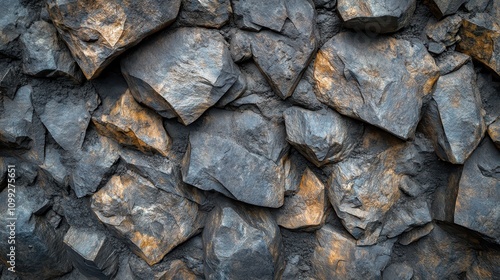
{"type": "Point", "coordinates": [477, 206]}
{"type": "Point", "coordinates": [494, 132]}
{"type": "Point", "coordinates": [376, 16]}
{"type": "Point", "coordinates": [337, 256]}
{"type": "Point", "coordinates": [181, 73]}
{"type": "Point", "coordinates": [441, 8]}
{"type": "Point", "coordinates": [322, 136]}
{"type": "Point", "coordinates": [480, 39]}
{"type": "Point", "coordinates": [96, 32]}
{"type": "Point", "coordinates": [205, 13]}
{"type": "Point", "coordinates": [415, 234]}
{"type": "Point", "coordinates": [454, 117]}
{"type": "Point", "coordinates": [152, 222]}
{"type": "Point", "coordinates": [445, 31]}
{"type": "Point", "coordinates": [306, 208]}
{"type": "Point", "coordinates": [382, 81]}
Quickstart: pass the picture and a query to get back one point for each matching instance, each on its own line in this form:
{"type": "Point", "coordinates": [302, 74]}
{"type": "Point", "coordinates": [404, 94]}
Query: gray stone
{"type": "Point", "coordinates": [205, 13]}
{"type": "Point", "coordinates": [44, 55]}
{"type": "Point", "coordinates": [382, 81]}
{"type": "Point", "coordinates": [477, 207]}
{"type": "Point", "coordinates": [494, 132]}
{"type": "Point", "coordinates": [398, 271]}
{"type": "Point", "coordinates": [242, 242]}
{"type": "Point", "coordinates": [9, 82]}
{"type": "Point", "coordinates": [304, 92]}
{"type": "Point", "coordinates": [234, 92]}
{"type": "Point", "coordinates": [293, 175]}
{"type": "Point", "coordinates": [445, 31]}
{"type": "Point", "coordinates": [97, 32]}
{"type": "Point", "coordinates": [336, 256]}
{"type": "Point", "coordinates": [415, 234]}
{"type": "Point", "coordinates": [255, 15]}
{"type": "Point", "coordinates": [54, 166]}
{"type": "Point", "coordinates": [476, 5]}
{"type": "Point", "coordinates": [151, 221]}
{"type": "Point", "coordinates": [436, 48]}
{"type": "Point", "coordinates": [452, 62]}
{"type": "Point", "coordinates": [14, 19]}
{"type": "Point", "coordinates": [243, 143]}
{"type": "Point", "coordinates": [17, 119]}
{"type": "Point", "coordinates": [441, 8]}
{"type": "Point", "coordinates": [454, 118]}
{"type": "Point", "coordinates": [91, 253]}
{"type": "Point", "coordinates": [321, 136]}
{"type": "Point", "coordinates": [181, 73]}
{"type": "Point", "coordinates": [376, 16]}
{"type": "Point", "coordinates": [178, 271]}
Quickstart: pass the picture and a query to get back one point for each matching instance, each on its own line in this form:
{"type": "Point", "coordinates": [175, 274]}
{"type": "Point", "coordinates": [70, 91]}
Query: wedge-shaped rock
{"type": "Point", "coordinates": [181, 73]}
{"type": "Point", "coordinates": [376, 16]}
{"type": "Point", "coordinates": [481, 39]}
{"type": "Point", "coordinates": [206, 13]}
{"type": "Point", "coordinates": [14, 18]}
{"type": "Point", "coordinates": [97, 32]}
{"type": "Point", "coordinates": [242, 242]}
{"type": "Point", "coordinates": [151, 221]}
{"type": "Point", "coordinates": [8, 82]}
{"type": "Point", "coordinates": [477, 206]}
{"type": "Point", "coordinates": [91, 252]}
{"type": "Point", "coordinates": [494, 132]}
{"type": "Point", "coordinates": [306, 208]}
{"type": "Point", "coordinates": [441, 8]}
{"type": "Point", "coordinates": [178, 270]}
{"type": "Point", "coordinates": [44, 55]}
{"type": "Point", "coordinates": [336, 256]}
{"type": "Point", "coordinates": [16, 119]}
{"type": "Point", "coordinates": [382, 80]}
{"type": "Point", "coordinates": [240, 155]}
{"type": "Point", "coordinates": [453, 119]}
{"type": "Point", "coordinates": [445, 31]}
{"type": "Point", "coordinates": [322, 136]}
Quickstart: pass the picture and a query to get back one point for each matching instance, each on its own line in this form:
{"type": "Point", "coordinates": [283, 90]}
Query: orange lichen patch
{"type": "Point", "coordinates": [149, 247]}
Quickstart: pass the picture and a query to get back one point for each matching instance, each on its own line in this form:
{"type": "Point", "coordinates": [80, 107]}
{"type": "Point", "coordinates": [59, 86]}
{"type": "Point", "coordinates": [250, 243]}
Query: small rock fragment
{"type": "Point", "coordinates": [415, 234]}
{"type": "Point", "coordinates": [445, 31]}
{"type": "Point", "coordinates": [205, 13]}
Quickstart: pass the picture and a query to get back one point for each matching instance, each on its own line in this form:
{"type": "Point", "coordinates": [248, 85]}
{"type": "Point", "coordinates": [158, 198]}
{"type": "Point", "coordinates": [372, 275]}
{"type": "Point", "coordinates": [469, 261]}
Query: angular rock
{"type": "Point", "coordinates": [452, 62]}
{"type": "Point", "coordinates": [337, 257]}
{"type": "Point", "coordinates": [436, 48]}
{"type": "Point", "coordinates": [211, 13]}
{"type": "Point", "coordinates": [8, 82]}
{"type": "Point", "coordinates": [181, 73]}
{"type": "Point", "coordinates": [494, 132]}
{"type": "Point", "coordinates": [306, 208]}
{"type": "Point", "coordinates": [243, 143]}
{"type": "Point", "coordinates": [17, 119]}
{"type": "Point", "coordinates": [14, 19]}
{"type": "Point", "coordinates": [97, 32]}
{"type": "Point", "coordinates": [453, 119]}
{"type": "Point", "coordinates": [415, 234]}
{"type": "Point", "coordinates": [44, 55]}
{"type": "Point", "coordinates": [152, 222]}
{"type": "Point", "coordinates": [178, 271]}
{"type": "Point", "coordinates": [413, 213]}
{"type": "Point", "coordinates": [445, 31]}
{"type": "Point", "coordinates": [382, 81]}
{"type": "Point", "coordinates": [304, 92]}
{"type": "Point", "coordinates": [476, 5]}
{"type": "Point", "coordinates": [398, 271]}
{"type": "Point", "coordinates": [293, 175]}
{"type": "Point", "coordinates": [321, 136]}
{"type": "Point", "coordinates": [91, 253]}
{"type": "Point", "coordinates": [480, 39]}
{"type": "Point", "coordinates": [477, 205]}
{"type": "Point", "coordinates": [242, 242]}
{"type": "Point", "coordinates": [376, 16]}
{"type": "Point", "coordinates": [255, 15]}
{"type": "Point", "coordinates": [441, 8]}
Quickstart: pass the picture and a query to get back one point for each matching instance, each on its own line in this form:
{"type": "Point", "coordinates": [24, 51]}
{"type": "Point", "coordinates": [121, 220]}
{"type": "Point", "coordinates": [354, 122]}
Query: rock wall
{"type": "Point", "coordinates": [250, 139]}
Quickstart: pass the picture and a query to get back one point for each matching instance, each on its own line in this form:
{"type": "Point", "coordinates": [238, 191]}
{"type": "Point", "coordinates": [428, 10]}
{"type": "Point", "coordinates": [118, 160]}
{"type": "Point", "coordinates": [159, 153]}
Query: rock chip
{"type": "Point", "coordinates": [44, 55]}
{"type": "Point", "coordinates": [242, 242]}
{"type": "Point", "coordinates": [91, 253]}
{"type": "Point", "coordinates": [242, 143]}
{"type": "Point", "coordinates": [477, 205]}
{"type": "Point", "coordinates": [336, 256]}
{"type": "Point", "coordinates": [306, 208]}
{"type": "Point", "coordinates": [398, 271]}
{"type": "Point", "coordinates": [415, 234]}
{"type": "Point", "coordinates": [9, 82]}
{"type": "Point", "coordinates": [376, 16]}
{"type": "Point", "coordinates": [205, 13]}
{"type": "Point", "coordinates": [441, 8]}
{"type": "Point", "coordinates": [454, 118]}
{"type": "Point", "coordinates": [382, 81]}
{"type": "Point", "coordinates": [321, 136]}
{"type": "Point", "coordinates": [97, 32]}
{"type": "Point", "coordinates": [452, 62]}
{"type": "Point", "coordinates": [445, 31]}
{"type": "Point", "coordinates": [494, 132]}
{"type": "Point", "coordinates": [151, 221]}
{"type": "Point", "coordinates": [181, 73]}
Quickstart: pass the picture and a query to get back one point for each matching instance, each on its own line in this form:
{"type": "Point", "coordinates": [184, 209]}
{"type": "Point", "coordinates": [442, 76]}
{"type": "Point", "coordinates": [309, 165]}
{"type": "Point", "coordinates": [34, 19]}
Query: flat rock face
{"type": "Point", "coordinates": [382, 80]}
{"type": "Point", "coordinates": [45, 55]}
{"type": "Point", "coordinates": [96, 32]}
{"type": "Point", "coordinates": [206, 13]}
{"type": "Point", "coordinates": [453, 119]}
{"type": "Point", "coordinates": [338, 257]}
{"type": "Point", "coordinates": [322, 136]}
{"type": "Point", "coordinates": [494, 132]}
{"type": "Point", "coordinates": [480, 39]}
{"type": "Point", "coordinates": [242, 242]}
{"type": "Point", "coordinates": [306, 208]}
{"type": "Point", "coordinates": [181, 73]}
{"type": "Point", "coordinates": [441, 8]}
{"type": "Point", "coordinates": [477, 205]}
{"type": "Point", "coordinates": [17, 118]}
{"type": "Point", "coordinates": [9, 81]}
{"type": "Point", "coordinates": [445, 32]}
{"type": "Point", "coordinates": [243, 143]}
{"type": "Point", "coordinates": [150, 220]}
{"type": "Point", "coordinates": [376, 16]}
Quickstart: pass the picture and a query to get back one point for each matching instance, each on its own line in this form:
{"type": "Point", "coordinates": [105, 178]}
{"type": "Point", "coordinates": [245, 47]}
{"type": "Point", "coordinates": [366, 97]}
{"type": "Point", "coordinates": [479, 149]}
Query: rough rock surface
{"type": "Point", "coordinates": [382, 81]}
{"type": "Point", "coordinates": [336, 256]}
{"type": "Point", "coordinates": [242, 242]}
{"type": "Point", "coordinates": [152, 221]}
{"type": "Point", "coordinates": [321, 136]}
{"type": "Point", "coordinates": [445, 32]}
{"type": "Point", "coordinates": [494, 132]}
{"type": "Point", "coordinates": [399, 271]}
{"type": "Point", "coordinates": [454, 118]}
{"type": "Point", "coordinates": [97, 32]}
{"type": "Point", "coordinates": [8, 82]}
{"type": "Point", "coordinates": [477, 205]}
{"type": "Point", "coordinates": [205, 13]}
{"type": "Point", "coordinates": [242, 143]}
{"type": "Point", "coordinates": [441, 8]}
{"type": "Point", "coordinates": [376, 16]}
{"type": "Point", "coordinates": [158, 72]}
{"type": "Point", "coordinates": [14, 19]}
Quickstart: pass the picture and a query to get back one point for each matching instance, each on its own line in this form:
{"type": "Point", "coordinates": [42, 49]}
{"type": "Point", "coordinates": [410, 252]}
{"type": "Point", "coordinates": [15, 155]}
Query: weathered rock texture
{"type": "Point", "coordinates": [441, 8]}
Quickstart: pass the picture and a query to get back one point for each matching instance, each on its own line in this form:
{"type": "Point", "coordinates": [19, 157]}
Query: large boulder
{"type": "Point", "coordinates": [382, 81]}
{"type": "Point", "coordinates": [96, 32]}
{"type": "Point", "coordinates": [181, 73]}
